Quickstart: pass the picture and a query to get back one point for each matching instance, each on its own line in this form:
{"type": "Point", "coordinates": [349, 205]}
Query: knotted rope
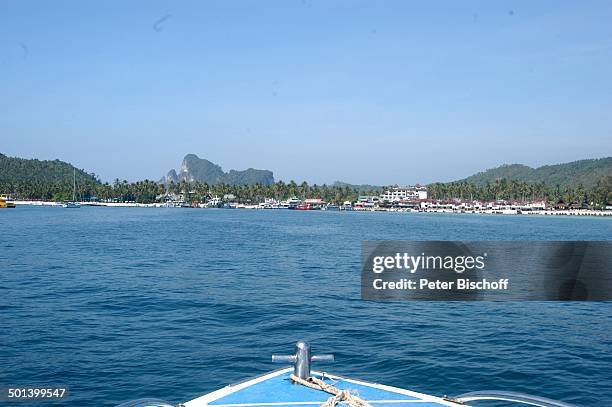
{"type": "Point", "coordinates": [337, 394]}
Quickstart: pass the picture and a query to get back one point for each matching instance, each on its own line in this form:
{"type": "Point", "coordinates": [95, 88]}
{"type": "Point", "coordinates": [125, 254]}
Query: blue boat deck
{"type": "Point", "coordinates": [276, 389]}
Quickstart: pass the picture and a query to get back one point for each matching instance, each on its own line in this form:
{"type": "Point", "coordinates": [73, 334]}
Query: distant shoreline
{"type": "Point", "coordinates": [565, 212]}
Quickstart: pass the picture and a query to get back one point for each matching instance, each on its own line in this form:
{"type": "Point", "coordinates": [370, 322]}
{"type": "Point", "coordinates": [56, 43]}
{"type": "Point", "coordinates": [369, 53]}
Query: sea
{"type": "Point", "coordinates": [124, 303]}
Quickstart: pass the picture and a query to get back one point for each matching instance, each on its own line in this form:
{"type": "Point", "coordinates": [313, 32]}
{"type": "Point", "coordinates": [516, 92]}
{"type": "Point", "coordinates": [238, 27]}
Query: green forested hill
{"type": "Point", "coordinates": [42, 179]}
{"type": "Point", "coordinates": [14, 170]}
{"type": "Point", "coordinates": [573, 174]}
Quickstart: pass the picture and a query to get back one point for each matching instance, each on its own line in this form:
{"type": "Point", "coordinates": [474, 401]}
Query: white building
{"type": "Point", "coordinates": [409, 193]}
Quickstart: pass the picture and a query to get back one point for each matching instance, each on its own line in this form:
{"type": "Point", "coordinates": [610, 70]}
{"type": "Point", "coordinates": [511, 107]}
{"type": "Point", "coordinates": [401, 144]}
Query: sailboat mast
{"type": "Point", "coordinates": [74, 185]}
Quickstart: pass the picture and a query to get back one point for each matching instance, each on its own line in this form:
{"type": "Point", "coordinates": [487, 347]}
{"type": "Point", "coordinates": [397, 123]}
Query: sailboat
{"type": "Point", "coordinates": [74, 203]}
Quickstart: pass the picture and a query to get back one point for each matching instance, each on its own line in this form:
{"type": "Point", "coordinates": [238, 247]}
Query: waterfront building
{"type": "Point", "coordinates": [404, 194]}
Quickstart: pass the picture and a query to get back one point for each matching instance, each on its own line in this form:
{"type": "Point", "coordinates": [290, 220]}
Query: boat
{"type": "Point", "coordinates": [71, 205]}
{"type": "Point", "coordinates": [74, 203]}
{"type": "Point", "coordinates": [5, 203]}
{"type": "Point", "coordinates": [215, 202]}
{"type": "Point", "coordinates": [312, 204]}
{"type": "Point", "coordinates": [269, 203]}
{"type": "Point", "coordinates": [291, 203]}
{"type": "Point", "coordinates": [346, 206]}
{"type": "Point", "coordinates": [304, 207]}
{"type": "Point", "coordinates": [298, 386]}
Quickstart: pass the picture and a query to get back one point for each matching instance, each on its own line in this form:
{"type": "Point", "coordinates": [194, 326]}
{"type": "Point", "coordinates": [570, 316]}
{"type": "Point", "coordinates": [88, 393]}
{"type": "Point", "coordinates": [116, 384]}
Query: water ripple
{"type": "Point", "coordinates": [166, 303]}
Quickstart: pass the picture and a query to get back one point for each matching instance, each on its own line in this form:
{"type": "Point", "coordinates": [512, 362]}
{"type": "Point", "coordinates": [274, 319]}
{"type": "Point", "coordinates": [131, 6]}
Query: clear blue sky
{"type": "Point", "coordinates": [362, 91]}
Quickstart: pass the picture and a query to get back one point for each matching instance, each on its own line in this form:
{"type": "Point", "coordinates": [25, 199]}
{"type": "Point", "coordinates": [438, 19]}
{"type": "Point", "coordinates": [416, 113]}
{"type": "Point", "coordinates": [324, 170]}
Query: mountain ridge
{"type": "Point", "coordinates": [15, 169]}
{"type": "Point", "coordinates": [194, 168]}
{"type": "Point", "coordinates": [581, 172]}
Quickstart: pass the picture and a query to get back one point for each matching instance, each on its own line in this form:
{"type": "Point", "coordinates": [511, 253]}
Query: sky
{"type": "Point", "coordinates": [377, 92]}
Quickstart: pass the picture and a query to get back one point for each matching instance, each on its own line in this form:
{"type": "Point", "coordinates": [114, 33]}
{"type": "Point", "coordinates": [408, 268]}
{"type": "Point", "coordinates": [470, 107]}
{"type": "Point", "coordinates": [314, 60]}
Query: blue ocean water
{"type": "Point", "coordinates": [121, 303]}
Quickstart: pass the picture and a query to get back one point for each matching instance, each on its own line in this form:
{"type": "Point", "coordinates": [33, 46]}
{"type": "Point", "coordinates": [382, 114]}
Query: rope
{"type": "Point", "coordinates": [337, 394]}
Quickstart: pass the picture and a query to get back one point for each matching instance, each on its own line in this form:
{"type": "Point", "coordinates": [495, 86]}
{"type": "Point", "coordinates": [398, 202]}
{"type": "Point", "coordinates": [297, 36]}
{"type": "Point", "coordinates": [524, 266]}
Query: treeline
{"type": "Point", "coordinates": [597, 196]}
{"type": "Point", "coordinates": [120, 191]}
{"type": "Point", "coordinates": [279, 190]}
{"type": "Point", "coordinates": [49, 190]}
{"type": "Point", "coordinates": [149, 191]}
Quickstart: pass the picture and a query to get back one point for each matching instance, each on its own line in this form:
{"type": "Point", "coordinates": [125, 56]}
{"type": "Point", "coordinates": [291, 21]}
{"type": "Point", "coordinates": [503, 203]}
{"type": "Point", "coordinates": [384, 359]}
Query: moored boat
{"type": "Point", "coordinates": [311, 204]}
{"type": "Point", "coordinates": [5, 203]}
{"type": "Point", "coordinates": [291, 203]}
{"type": "Point", "coordinates": [73, 204]}
{"type": "Point", "coordinates": [346, 206]}
{"type": "Point", "coordinates": [304, 206]}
